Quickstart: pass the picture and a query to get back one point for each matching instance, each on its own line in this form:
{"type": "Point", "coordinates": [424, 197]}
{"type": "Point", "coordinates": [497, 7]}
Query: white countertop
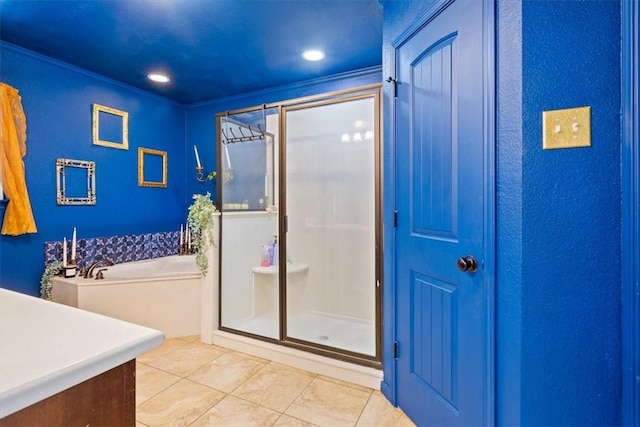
{"type": "Point", "coordinates": [46, 348]}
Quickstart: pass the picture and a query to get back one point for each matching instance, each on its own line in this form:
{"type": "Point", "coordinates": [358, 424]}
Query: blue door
{"type": "Point", "coordinates": [443, 298]}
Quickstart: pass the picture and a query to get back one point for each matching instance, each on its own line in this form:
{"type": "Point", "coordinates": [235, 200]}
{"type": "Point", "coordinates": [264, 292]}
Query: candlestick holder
{"type": "Point", "coordinates": [71, 269]}
{"type": "Point", "coordinates": [185, 249]}
{"type": "Point", "coordinates": [201, 177]}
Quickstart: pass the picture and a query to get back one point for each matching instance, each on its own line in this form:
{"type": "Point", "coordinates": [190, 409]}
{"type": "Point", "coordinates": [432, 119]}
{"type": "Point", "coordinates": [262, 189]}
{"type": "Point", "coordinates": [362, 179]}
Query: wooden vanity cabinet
{"type": "Point", "coordinates": [108, 399]}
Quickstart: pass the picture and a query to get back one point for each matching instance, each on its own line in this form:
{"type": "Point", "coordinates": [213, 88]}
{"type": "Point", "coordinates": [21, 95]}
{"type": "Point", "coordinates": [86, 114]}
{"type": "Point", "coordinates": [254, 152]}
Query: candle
{"type": "Point", "coordinates": [188, 238]}
{"type": "Point", "coordinates": [226, 153]}
{"type": "Point", "coordinates": [181, 236]}
{"type": "Point", "coordinates": [64, 252]}
{"type": "Point", "coordinates": [195, 150]}
{"type": "Point", "coordinates": [73, 245]}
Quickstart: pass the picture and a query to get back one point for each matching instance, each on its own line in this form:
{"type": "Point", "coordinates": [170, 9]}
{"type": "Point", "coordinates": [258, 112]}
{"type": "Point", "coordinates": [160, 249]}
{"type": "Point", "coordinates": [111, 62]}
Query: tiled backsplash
{"type": "Point", "coordinates": [118, 249]}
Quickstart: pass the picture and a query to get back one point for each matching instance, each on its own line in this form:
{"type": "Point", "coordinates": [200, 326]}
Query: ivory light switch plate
{"type": "Point", "coordinates": [567, 128]}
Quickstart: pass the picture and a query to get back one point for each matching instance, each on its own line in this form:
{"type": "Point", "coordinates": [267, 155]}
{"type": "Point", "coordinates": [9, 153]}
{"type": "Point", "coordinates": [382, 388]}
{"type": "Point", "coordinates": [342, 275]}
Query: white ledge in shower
{"type": "Point", "coordinates": [246, 213]}
{"type": "Point", "coordinates": [274, 269]}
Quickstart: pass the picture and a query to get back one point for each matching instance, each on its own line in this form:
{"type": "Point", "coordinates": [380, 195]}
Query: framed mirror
{"type": "Point", "coordinates": [110, 127]}
{"type": "Point", "coordinates": [75, 182]}
{"type": "Point", "coordinates": [152, 168]}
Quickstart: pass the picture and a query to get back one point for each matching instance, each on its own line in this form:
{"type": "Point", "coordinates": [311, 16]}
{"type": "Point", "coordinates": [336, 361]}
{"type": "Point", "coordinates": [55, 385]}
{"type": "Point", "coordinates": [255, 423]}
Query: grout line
{"type": "Point", "coordinates": [364, 408]}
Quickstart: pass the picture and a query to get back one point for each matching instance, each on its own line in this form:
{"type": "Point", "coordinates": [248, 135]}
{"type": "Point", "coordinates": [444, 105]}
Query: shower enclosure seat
{"type": "Point", "coordinates": [265, 286]}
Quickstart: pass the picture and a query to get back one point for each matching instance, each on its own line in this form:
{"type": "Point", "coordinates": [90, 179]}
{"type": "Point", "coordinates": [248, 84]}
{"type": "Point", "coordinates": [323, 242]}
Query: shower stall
{"type": "Point", "coordinates": [299, 194]}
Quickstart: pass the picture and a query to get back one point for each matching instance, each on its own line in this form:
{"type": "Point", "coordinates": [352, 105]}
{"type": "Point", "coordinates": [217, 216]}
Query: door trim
{"type": "Point", "coordinates": [489, 41]}
{"type": "Point", "coordinates": [389, 384]}
{"type": "Point", "coordinates": [630, 215]}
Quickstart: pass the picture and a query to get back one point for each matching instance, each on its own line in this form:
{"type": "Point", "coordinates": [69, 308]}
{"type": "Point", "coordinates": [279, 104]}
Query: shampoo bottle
{"type": "Point", "coordinates": [265, 257]}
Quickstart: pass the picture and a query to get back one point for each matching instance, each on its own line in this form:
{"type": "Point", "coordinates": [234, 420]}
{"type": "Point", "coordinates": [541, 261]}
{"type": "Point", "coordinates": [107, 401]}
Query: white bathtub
{"type": "Point", "coordinates": [162, 293]}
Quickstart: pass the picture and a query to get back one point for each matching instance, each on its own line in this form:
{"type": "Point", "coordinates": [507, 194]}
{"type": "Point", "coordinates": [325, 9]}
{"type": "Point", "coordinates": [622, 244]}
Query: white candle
{"type": "Point", "coordinates": [195, 150]}
{"type": "Point", "coordinates": [181, 236]}
{"type": "Point", "coordinates": [64, 252]}
{"type": "Point", "coordinates": [73, 245]}
{"type": "Point", "coordinates": [226, 152]}
{"type": "Point", "coordinates": [188, 238]}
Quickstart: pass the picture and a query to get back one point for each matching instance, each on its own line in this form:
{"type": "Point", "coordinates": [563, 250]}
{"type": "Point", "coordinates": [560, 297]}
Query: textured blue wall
{"type": "Point", "coordinates": [509, 228]}
{"type": "Point", "coordinates": [57, 102]}
{"type": "Point", "coordinates": [558, 211]}
{"type": "Point", "coordinates": [571, 252]}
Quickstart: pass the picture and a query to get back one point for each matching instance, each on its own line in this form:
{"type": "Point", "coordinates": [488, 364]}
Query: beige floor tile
{"type": "Point", "coordinates": [151, 381]}
{"type": "Point", "coordinates": [379, 412]}
{"type": "Point", "coordinates": [287, 421]}
{"type": "Point", "coordinates": [234, 412]}
{"type": "Point", "coordinates": [348, 384]}
{"type": "Point", "coordinates": [178, 405]}
{"type": "Point", "coordinates": [329, 404]}
{"type": "Point", "coordinates": [190, 338]}
{"type": "Point", "coordinates": [404, 421]}
{"type": "Point", "coordinates": [166, 347]}
{"type": "Point", "coordinates": [250, 356]}
{"type": "Point", "coordinates": [273, 387]}
{"type": "Point", "coordinates": [139, 424]}
{"type": "Point", "coordinates": [291, 368]}
{"type": "Point", "coordinates": [226, 372]}
{"type": "Point", "coordinates": [186, 359]}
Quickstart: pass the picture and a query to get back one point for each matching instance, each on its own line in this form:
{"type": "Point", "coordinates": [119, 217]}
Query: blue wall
{"type": "Point", "coordinates": [571, 219]}
{"type": "Point", "coordinates": [57, 101]}
{"type": "Point", "coordinates": [558, 211]}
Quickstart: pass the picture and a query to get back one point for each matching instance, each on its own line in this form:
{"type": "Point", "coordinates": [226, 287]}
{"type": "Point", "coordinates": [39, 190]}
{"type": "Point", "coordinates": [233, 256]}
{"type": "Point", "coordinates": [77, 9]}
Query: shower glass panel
{"type": "Point", "coordinates": [331, 215]}
{"type": "Point", "coordinates": [247, 164]}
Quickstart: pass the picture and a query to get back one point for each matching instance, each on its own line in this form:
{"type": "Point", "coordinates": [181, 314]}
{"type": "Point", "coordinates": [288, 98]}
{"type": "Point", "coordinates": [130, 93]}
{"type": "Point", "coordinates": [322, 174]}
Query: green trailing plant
{"type": "Point", "coordinates": [50, 271]}
{"type": "Point", "coordinates": [200, 220]}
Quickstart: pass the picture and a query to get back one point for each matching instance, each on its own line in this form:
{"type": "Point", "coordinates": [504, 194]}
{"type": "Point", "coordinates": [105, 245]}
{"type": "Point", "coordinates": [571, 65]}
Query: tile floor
{"type": "Point", "coordinates": [186, 383]}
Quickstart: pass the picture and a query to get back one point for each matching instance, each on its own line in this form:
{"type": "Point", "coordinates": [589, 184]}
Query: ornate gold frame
{"type": "Point", "coordinates": [124, 143]}
{"type": "Point", "coordinates": [142, 182]}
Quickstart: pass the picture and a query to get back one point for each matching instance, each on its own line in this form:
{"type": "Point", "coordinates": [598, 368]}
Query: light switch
{"type": "Point", "coordinates": [566, 128]}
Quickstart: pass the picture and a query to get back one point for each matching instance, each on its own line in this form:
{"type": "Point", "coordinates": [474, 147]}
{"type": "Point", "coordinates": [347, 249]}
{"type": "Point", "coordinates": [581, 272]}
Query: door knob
{"type": "Point", "coordinates": [467, 263]}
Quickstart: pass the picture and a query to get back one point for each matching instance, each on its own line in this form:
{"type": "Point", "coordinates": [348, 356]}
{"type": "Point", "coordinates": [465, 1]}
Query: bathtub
{"type": "Point", "coordinates": [162, 293]}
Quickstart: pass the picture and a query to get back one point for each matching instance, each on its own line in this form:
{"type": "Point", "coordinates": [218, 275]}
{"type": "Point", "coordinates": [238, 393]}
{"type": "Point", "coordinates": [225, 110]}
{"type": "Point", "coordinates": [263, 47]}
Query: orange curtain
{"type": "Point", "coordinates": [18, 217]}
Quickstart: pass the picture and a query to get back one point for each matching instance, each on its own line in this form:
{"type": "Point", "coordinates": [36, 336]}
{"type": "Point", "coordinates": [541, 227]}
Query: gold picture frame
{"type": "Point", "coordinates": [142, 181]}
{"type": "Point", "coordinates": [99, 132]}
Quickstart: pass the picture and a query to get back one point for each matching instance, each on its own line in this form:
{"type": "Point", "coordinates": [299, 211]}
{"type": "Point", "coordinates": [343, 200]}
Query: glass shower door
{"type": "Point", "coordinates": [247, 166]}
{"type": "Point", "coordinates": [330, 162]}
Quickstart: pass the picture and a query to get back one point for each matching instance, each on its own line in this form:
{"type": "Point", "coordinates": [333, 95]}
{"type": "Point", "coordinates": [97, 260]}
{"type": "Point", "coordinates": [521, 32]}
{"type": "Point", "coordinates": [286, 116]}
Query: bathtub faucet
{"type": "Point", "coordinates": [89, 272]}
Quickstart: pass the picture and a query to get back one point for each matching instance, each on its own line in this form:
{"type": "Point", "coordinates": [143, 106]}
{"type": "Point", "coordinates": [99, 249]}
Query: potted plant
{"type": "Point", "coordinates": [200, 221]}
{"type": "Point", "coordinates": [51, 270]}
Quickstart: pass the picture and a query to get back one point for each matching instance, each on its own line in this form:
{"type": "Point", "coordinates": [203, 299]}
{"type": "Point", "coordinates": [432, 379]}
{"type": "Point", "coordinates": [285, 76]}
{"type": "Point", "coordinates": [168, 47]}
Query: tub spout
{"type": "Point", "coordinates": [100, 263]}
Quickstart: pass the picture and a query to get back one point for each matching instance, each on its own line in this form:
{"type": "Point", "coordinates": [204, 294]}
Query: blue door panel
{"type": "Point", "coordinates": [434, 360]}
{"type": "Point", "coordinates": [433, 143]}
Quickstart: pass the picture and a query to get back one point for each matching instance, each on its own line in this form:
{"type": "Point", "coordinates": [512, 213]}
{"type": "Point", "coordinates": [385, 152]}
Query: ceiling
{"type": "Point", "coordinates": [210, 48]}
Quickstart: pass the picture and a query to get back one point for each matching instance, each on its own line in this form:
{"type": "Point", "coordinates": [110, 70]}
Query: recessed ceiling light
{"type": "Point", "coordinates": [158, 77]}
{"type": "Point", "coordinates": [313, 55]}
